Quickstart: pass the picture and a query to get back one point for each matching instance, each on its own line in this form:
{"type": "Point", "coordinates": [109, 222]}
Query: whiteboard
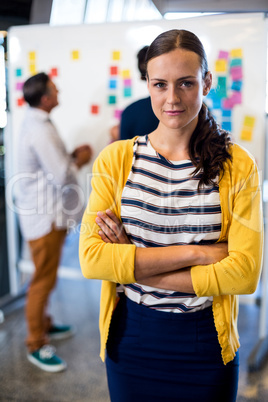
{"type": "Point", "coordinates": [84, 59]}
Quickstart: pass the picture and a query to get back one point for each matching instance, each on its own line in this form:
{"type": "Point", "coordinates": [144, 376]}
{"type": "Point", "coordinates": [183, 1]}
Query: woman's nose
{"type": "Point", "coordinates": [173, 95]}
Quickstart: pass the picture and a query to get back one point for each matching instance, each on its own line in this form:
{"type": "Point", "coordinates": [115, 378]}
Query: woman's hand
{"type": "Point", "coordinates": [111, 228]}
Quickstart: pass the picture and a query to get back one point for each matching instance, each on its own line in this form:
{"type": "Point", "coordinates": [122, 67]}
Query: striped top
{"type": "Point", "coordinates": [161, 206]}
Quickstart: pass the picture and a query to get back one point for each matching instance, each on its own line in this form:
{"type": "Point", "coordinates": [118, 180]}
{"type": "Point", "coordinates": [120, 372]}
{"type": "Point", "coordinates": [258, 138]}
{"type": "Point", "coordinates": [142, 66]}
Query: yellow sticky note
{"type": "Point", "coordinates": [32, 68]}
{"type": "Point", "coordinates": [32, 56]}
{"type": "Point", "coordinates": [236, 53]}
{"type": "Point", "coordinates": [246, 134]}
{"type": "Point", "coordinates": [221, 66]}
{"type": "Point", "coordinates": [116, 55]}
{"type": "Point", "coordinates": [75, 54]}
{"type": "Point", "coordinates": [126, 74]}
{"type": "Point", "coordinates": [249, 121]}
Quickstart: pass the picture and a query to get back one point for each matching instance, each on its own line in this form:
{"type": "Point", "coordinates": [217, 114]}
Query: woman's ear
{"type": "Point", "coordinates": [207, 83]}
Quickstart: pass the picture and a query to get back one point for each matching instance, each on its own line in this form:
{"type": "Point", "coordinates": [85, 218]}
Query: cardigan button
{"type": "Point", "coordinates": [218, 304]}
{"type": "Point", "coordinates": [221, 323]}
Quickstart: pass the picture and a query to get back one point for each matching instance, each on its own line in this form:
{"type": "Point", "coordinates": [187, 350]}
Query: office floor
{"type": "Point", "coordinates": [76, 301]}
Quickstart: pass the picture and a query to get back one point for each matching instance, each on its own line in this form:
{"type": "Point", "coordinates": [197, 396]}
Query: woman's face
{"type": "Point", "coordinates": [176, 88]}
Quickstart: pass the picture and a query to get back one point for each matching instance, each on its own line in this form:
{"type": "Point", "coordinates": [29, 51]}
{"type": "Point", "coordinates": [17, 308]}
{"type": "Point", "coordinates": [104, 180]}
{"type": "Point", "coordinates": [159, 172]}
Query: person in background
{"type": "Point", "coordinates": [174, 229]}
{"type": "Point", "coordinates": [138, 118]}
{"type": "Point", "coordinates": [48, 195]}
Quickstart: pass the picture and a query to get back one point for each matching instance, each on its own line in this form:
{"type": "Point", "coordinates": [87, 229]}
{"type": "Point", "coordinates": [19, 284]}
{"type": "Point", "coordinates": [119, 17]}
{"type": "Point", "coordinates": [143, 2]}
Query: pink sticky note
{"type": "Point", "coordinates": [236, 73]}
{"type": "Point", "coordinates": [236, 98]}
{"type": "Point", "coordinates": [117, 113]}
{"type": "Point", "coordinates": [19, 86]}
{"type": "Point", "coordinates": [228, 104]}
{"type": "Point", "coordinates": [223, 55]}
{"type": "Point", "coordinates": [127, 82]}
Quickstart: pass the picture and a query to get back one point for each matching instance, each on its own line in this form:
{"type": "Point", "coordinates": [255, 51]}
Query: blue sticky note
{"type": "Point", "coordinates": [113, 84]}
{"type": "Point", "coordinates": [236, 63]}
{"type": "Point", "coordinates": [226, 125]}
{"type": "Point", "coordinates": [237, 85]}
{"type": "Point", "coordinates": [18, 72]}
{"type": "Point", "coordinates": [127, 91]}
{"type": "Point", "coordinates": [226, 113]}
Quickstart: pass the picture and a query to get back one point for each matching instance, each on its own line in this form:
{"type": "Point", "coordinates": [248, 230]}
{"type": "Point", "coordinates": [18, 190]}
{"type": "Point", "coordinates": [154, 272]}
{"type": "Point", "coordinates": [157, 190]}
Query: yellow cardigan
{"type": "Point", "coordinates": [242, 226]}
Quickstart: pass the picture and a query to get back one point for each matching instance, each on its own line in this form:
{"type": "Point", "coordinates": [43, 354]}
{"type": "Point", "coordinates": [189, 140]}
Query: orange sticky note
{"type": "Point", "coordinates": [113, 70]}
{"type": "Point", "coordinates": [20, 101]}
{"type": "Point", "coordinates": [94, 109]}
{"type": "Point", "coordinates": [246, 134]}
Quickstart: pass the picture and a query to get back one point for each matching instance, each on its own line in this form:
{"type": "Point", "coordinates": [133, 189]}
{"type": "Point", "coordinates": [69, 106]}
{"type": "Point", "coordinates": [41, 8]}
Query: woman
{"type": "Point", "coordinates": [190, 240]}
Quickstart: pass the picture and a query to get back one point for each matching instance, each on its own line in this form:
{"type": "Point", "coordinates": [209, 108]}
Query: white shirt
{"type": "Point", "coordinates": [48, 190]}
{"type": "Point", "coordinates": [161, 206]}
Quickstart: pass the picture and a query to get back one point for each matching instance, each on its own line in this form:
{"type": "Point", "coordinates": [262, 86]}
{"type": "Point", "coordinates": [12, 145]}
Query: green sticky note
{"type": "Point", "coordinates": [112, 99]}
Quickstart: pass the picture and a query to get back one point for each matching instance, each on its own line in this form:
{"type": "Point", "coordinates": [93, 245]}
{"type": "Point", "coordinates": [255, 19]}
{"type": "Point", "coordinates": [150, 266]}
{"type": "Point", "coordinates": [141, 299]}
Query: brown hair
{"type": "Point", "coordinates": [34, 88]}
{"type": "Point", "coordinates": [209, 145]}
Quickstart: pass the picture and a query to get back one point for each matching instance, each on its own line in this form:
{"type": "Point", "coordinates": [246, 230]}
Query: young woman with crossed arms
{"type": "Point", "coordinates": [173, 227]}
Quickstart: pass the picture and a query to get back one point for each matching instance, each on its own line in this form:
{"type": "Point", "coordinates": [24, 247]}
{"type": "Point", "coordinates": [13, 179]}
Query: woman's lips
{"type": "Point", "coordinates": [174, 112]}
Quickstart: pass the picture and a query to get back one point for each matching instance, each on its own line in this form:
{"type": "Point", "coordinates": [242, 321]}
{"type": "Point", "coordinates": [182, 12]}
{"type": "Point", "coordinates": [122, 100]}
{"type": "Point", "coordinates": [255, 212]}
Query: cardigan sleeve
{"type": "Point", "coordinates": [100, 260]}
{"type": "Point", "coordinates": [241, 202]}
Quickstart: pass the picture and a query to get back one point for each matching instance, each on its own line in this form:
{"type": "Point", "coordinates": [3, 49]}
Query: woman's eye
{"type": "Point", "coordinates": [159, 85]}
{"type": "Point", "coordinates": [186, 84]}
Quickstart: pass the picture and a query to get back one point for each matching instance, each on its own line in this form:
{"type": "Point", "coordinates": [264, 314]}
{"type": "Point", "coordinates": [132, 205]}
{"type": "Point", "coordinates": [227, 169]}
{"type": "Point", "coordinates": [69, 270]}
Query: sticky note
{"type": "Point", "coordinates": [227, 103]}
{"type": "Point", "coordinates": [246, 134]}
{"type": "Point", "coordinates": [237, 53]}
{"type": "Point", "coordinates": [223, 55]}
{"type": "Point", "coordinates": [32, 68]}
{"type": "Point", "coordinates": [221, 87]}
{"type": "Point", "coordinates": [112, 99]}
{"type": "Point", "coordinates": [126, 74]}
{"type": "Point", "coordinates": [94, 109]}
{"type": "Point", "coordinates": [75, 54]}
{"type": "Point", "coordinates": [221, 66]}
{"type": "Point", "coordinates": [236, 62]}
{"type": "Point", "coordinates": [227, 114]}
{"type": "Point", "coordinates": [19, 86]}
{"type": "Point", "coordinates": [18, 72]}
{"type": "Point", "coordinates": [127, 92]}
{"type": "Point", "coordinates": [226, 125]}
{"type": "Point", "coordinates": [127, 82]}
{"type": "Point", "coordinates": [53, 72]}
{"type": "Point", "coordinates": [113, 84]}
{"type": "Point", "coordinates": [236, 98]}
{"type": "Point", "coordinates": [216, 103]}
{"type": "Point", "coordinates": [236, 85]}
{"type": "Point", "coordinates": [113, 70]}
{"type": "Point", "coordinates": [117, 114]}
{"type": "Point", "coordinates": [249, 121]}
{"type": "Point", "coordinates": [32, 56]}
{"type": "Point", "coordinates": [20, 101]}
{"type": "Point", "coordinates": [236, 73]}
{"type": "Point", "coordinates": [116, 55]}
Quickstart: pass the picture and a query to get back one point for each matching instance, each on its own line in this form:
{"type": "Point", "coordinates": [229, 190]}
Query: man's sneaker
{"type": "Point", "coordinates": [46, 359]}
{"type": "Point", "coordinates": [61, 331]}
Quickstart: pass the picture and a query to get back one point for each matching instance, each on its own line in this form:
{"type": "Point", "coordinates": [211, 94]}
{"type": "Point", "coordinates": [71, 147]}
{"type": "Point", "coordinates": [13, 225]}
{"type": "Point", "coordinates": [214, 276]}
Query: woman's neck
{"type": "Point", "coordinates": [172, 144]}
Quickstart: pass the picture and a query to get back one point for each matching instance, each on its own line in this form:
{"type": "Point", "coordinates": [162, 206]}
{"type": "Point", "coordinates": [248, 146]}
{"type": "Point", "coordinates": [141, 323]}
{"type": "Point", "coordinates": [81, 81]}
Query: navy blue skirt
{"type": "Point", "coordinates": [154, 356]}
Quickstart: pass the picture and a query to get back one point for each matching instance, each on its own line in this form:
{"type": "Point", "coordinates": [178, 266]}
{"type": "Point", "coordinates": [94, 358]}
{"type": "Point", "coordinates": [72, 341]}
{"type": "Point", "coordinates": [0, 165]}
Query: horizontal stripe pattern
{"type": "Point", "coordinates": [161, 206]}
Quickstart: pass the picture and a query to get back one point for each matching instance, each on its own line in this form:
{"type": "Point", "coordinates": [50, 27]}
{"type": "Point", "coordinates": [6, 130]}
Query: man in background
{"type": "Point", "coordinates": [47, 196]}
{"type": "Point", "coordinates": [138, 118]}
